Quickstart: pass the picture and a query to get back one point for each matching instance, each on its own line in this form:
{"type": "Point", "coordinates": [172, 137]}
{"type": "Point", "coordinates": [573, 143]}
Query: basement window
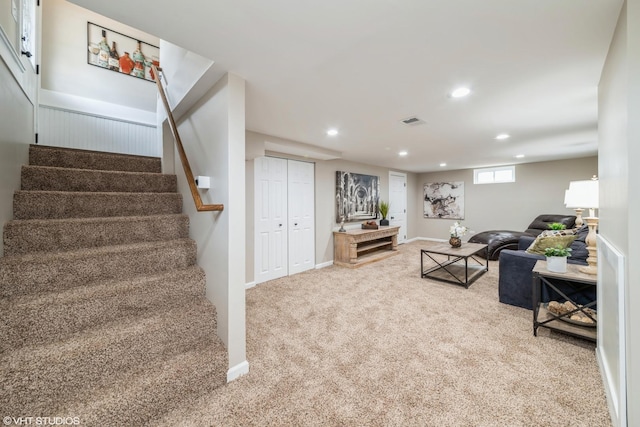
{"type": "Point", "coordinates": [496, 175]}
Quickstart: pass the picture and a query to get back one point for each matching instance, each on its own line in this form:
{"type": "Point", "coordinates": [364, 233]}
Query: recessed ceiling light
{"type": "Point", "coordinates": [461, 92]}
{"type": "Point", "coordinates": [402, 153]}
{"type": "Point", "coordinates": [332, 132]}
{"type": "Point", "coordinates": [503, 136]}
{"type": "Point", "coordinates": [519, 156]}
{"type": "Point", "coordinates": [443, 165]}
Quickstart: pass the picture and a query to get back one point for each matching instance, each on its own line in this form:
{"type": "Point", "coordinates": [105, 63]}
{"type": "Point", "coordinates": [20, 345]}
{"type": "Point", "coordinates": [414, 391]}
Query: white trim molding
{"type": "Point", "coordinates": [92, 107]}
{"type": "Point", "coordinates": [324, 264]}
{"type": "Point", "coordinates": [250, 285]}
{"type": "Point", "coordinates": [415, 239]}
{"type": "Point", "coordinates": [237, 371]}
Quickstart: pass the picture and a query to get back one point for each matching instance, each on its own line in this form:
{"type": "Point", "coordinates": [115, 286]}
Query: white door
{"type": "Point", "coordinates": [270, 218]}
{"type": "Point", "coordinates": [398, 203]}
{"type": "Point", "coordinates": [301, 216]}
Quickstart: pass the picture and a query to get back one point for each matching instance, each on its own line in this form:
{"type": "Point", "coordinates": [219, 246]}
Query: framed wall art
{"type": "Point", "coordinates": [120, 53]}
{"type": "Point", "coordinates": [357, 196]}
{"type": "Point", "coordinates": [444, 200]}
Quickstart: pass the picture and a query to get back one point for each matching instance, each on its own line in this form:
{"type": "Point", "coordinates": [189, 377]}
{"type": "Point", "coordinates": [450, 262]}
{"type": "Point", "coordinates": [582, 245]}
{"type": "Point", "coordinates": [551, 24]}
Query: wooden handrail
{"type": "Point", "coordinates": [200, 207]}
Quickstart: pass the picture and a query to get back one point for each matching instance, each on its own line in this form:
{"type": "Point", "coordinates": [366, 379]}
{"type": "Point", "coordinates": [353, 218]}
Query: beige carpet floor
{"type": "Point", "coordinates": [380, 346]}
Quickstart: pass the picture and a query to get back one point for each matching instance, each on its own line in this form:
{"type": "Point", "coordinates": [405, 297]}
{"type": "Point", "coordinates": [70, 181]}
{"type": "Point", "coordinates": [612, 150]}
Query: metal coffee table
{"type": "Point", "coordinates": [455, 268]}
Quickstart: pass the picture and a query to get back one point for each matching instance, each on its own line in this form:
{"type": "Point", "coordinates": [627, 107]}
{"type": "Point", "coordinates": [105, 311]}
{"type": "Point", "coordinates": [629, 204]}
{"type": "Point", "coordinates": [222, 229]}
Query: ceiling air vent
{"type": "Point", "coordinates": [412, 121]}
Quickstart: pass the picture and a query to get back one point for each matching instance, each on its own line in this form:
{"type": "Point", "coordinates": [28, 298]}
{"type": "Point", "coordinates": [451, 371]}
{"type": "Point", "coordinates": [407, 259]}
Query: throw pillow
{"type": "Point", "coordinates": [565, 232]}
{"type": "Point", "coordinates": [542, 242]}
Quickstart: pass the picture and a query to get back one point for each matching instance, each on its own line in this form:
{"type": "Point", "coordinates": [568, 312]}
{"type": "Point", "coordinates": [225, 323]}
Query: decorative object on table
{"type": "Point", "coordinates": [557, 258]}
{"type": "Point", "coordinates": [357, 196]}
{"type": "Point", "coordinates": [456, 231]}
{"type": "Point", "coordinates": [581, 195]}
{"type": "Point", "coordinates": [444, 200]}
{"type": "Point", "coordinates": [101, 55]}
{"type": "Point", "coordinates": [342, 230]}
{"type": "Point", "coordinates": [583, 316]}
{"type": "Point", "coordinates": [370, 225]}
{"type": "Point", "coordinates": [384, 210]}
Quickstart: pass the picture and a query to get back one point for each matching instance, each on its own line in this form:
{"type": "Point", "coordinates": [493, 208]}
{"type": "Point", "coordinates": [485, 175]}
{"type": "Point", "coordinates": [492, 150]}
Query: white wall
{"type": "Point", "coordinates": [64, 59]}
{"type": "Point", "coordinates": [619, 132]}
{"type": "Point", "coordinates": [17, 110]}
{"type": "Point", "coordinates": [85, 106]}
{"type": "Point", "coordinates": [16, 133]}
{"type": "Point", "coordinates": [632, 290]}
{"type": "Point", "coordinates": [539, 189]}
{"type": "Point", "coordinates": [213, 134]}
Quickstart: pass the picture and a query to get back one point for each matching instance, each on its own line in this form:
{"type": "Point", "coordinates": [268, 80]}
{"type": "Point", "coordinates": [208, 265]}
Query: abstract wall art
{"type": "Point", "coordinates": [444, 200]}
{"type": "Point", "coordinates": [357, 196]}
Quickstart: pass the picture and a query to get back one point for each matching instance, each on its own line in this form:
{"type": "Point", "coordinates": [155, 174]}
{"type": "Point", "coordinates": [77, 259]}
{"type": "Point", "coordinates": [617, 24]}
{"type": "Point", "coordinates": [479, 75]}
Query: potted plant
{"type": "Point", "coordinates": [557, 259]}
{"type": "Point", "coordinates": [384, 211]}
{"type": "Point", "coordinates": [456, 231]}
{"type": "Point", "coordinates": [557, 226]}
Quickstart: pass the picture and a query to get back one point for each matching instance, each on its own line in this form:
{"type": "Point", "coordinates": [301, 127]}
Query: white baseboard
{"type": "Point", "coordinates": [250, 285]}
{"type": "Point", "coordinates": [238, 371]}
{"type": "Point", "coordinates": [324, 264]}
{"type": "Point", "coordinates": [415, 239]}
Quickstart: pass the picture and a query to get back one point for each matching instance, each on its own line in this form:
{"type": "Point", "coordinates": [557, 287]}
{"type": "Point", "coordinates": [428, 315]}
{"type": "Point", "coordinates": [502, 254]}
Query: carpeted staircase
{"type": "Point", "coordinates": [104, 315]}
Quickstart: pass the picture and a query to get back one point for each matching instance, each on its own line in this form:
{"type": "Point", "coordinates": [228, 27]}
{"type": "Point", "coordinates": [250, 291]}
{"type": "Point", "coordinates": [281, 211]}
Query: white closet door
{"type": "Point", "coordinates": [301, 201]}
{"type": "Point", "coordinates": [270, 219]}
{"type": "Point", "coordinates": [398, 203]}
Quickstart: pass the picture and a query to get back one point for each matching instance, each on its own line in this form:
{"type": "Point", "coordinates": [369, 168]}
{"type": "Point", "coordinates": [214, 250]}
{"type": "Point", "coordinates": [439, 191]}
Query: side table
{"type": "Point", "coordinates": [567, 285]}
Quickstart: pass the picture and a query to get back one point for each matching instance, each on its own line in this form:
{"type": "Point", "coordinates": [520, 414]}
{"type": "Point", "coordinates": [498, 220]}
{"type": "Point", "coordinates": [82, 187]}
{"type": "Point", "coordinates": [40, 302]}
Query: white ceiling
{"type": "Point", "coordinates": [361, 66]}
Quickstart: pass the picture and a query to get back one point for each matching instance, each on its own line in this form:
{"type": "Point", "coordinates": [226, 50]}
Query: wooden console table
{"type": "Point", "coordinates": [357, 247]}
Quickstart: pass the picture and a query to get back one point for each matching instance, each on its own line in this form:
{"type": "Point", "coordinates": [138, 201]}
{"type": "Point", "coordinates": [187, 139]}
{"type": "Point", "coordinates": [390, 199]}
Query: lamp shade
{"type": "Point", "coordinates": [582, 194]}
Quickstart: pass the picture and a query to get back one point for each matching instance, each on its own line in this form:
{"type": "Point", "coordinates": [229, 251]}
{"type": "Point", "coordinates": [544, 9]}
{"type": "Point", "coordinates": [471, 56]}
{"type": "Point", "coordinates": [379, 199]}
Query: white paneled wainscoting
{"type": "Point", "coordinates": [612, 327]}
{"type": "Point", "coordinates": [74, 123]}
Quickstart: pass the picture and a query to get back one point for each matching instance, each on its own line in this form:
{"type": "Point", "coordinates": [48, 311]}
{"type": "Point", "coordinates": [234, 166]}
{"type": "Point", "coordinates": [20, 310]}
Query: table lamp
{"type": "Point", "coordinates": [585, 194]}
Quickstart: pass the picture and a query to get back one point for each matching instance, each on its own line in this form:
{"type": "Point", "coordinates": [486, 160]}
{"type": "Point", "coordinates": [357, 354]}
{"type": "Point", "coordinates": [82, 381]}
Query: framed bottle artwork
{"type": "Point", "coordinates": [118, 52]}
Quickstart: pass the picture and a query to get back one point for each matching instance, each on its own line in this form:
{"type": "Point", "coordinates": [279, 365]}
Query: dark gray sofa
{"type": "Point", "coordinates": [515, 270]}
{"type": "Point", "coordinates": [499, 240]}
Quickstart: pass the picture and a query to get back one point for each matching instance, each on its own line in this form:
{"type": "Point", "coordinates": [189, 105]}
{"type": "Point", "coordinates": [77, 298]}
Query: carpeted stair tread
{"type": "Point", "coordinates": [38, 379]}
{"type": "Point", "coordinates": [47, 317]}
{"type": "Point", "coordinates": [49, 178]}
{"type": "Point", "coordinates": [162, 388]}
{"type": "Point", "coordinates": [104, 314]}
{"type": "Point", "coordinates": [32, 273]}
{"type": "Point", "coordinates": [57, 235]}
{"type": "Point", "coordinates": [84, 159]}
{"type": "Point", "coordinates": [69, 204]}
